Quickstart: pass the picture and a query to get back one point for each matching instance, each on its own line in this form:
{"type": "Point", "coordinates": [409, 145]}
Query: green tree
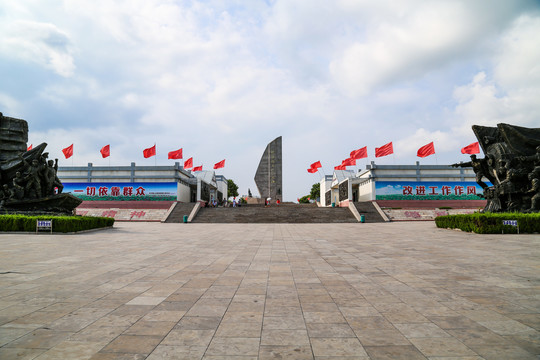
{"type": "Point", "coordinates": [315, 191]}
{"type": "Point", "coordinates": [232, 188]}
{"type": "Point", "coordinates": [304, 200]}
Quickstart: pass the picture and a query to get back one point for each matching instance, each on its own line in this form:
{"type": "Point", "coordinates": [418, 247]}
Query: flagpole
{"type": "Point", "coordinates": [155, 156]}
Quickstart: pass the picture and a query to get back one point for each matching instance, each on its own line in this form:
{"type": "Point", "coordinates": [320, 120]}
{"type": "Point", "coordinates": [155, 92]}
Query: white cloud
{"type": "Point", "coordinates": [511, 94]}
{"type": "Point", "coordinates": [412, 41]}
{"type": "Point", "coordinates": [41, 43]}
{"type": "Point", "coordinates": [9, 106]}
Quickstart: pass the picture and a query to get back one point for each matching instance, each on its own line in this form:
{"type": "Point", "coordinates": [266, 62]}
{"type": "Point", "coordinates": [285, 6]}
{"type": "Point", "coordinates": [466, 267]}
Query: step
{"type": "Point", "coordinates": [275, 214]}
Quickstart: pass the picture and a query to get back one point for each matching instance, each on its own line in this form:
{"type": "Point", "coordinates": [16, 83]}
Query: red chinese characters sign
{"type": "Point", "coordinates": [432, 190]}
{"type": "Point", "coordinates": [123, 191]}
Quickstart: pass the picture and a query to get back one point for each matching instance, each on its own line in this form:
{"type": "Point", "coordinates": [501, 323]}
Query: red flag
{"type": "Point", "coordinates": [188, 163]}
{"type": "Point", "coordinates": [348, 162]}
{"type": "Point", "coordinates": [175, 154]}
{"type": "Point", "coordinates": [312, 170]}
{"type": "Point", "coordinates": [384, 150]}
{"type": "Point", "coordinates": [220, 164]}
{"type": "Point", "coordinates": [151, 151]}
{"type": "Point", "coordinates": [105, 151]}
{"type": "Point", "coordinates": [68, 152]}
{"type": "Point", "coordinates": [316, 165]}
{"type": "Point", "coordinates": [197, 168]}
{"type": "Point", "coordinates": [473, 148]}
{"type": "Point", "coordinates": [29, 148]}
{"type": "Point", "coordinates": [426, 150]}
{"type": "Point", "coordinates": [340, 167]}
{"type": "Point", "coordinates": [359, 154]}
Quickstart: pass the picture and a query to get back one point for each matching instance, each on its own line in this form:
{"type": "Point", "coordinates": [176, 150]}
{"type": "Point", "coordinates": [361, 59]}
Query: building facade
{"type": "Point", "coordinates": [399, 182]}
{"type": "Point", "coordinates": [136, 183]}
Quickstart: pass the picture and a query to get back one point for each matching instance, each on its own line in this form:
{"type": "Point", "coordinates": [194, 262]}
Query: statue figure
{"type": "Point", "coordinates": [18, 185]}
{"type": "Point", "coordinates": [51, 179]}
{"type": "Point", "coordinates": [480, 168]}
{"type": "Point", "coordinates": [534, 178]}
{"type": "Point", "coordinates": [535, 158]}
{"type": "Point", "coordinates": [33, 182]}
{"type": "Point", "coordinates": [8, 193]}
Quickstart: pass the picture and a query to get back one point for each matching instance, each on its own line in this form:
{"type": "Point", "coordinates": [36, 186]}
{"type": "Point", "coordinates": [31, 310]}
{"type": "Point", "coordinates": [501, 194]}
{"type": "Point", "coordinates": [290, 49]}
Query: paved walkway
{"type": "Point", "coordinates": [247, 291]}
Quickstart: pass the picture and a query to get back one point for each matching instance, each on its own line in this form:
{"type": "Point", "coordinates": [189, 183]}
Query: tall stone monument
{"type": "Point", "coordinates": [268, 177]}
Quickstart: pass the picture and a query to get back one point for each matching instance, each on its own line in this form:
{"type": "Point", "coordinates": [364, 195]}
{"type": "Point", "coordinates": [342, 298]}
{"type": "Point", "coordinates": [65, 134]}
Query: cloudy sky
{"type": "Point", "coordinates": [221, 79]}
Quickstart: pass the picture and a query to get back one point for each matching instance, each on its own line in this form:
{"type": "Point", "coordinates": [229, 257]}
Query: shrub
{"type": "Point", "coordinates": [61, 224]}
{"type": "Point", "coordinates": [490, 223]}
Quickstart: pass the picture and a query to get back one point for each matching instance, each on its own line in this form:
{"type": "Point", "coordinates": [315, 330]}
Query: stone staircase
{"type": "Point", "coordinates": [285, 213]}
{"type": "Point", "coordinates": [177, 214]}
{"type": "Point", "coordinates": [366, 208]}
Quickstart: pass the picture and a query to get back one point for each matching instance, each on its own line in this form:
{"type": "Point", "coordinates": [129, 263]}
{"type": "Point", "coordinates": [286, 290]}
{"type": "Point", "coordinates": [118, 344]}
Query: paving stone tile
{"type": "Point", "coordinates": [157, 328]}
{"type": "Point", "coordinates": [162, 315]}
{"type": "Point", "coordinates": [324, 317]}
{"type": "Point", "coordinates": [133, 344]}
{"type": "Point", "coordinates": [233, 347]}
{"type": "Point", "coordinates": [337, 347]}
{"type": "Point", "coordinates": [445, 346]}
{"type": "Point", "coordinates": [329, 330]}
{"type": "Point", "coordinates": [146, 300]}
{"type": "Point", "coordinates": [419, 330]}
{"type": "Point", "coordinates": [40, 339]}
{"type": "Point", "coordinates": [508, 327]}
{"type": "Point", "coordinates": [501, 352]}
{"type": "Point", "coordinates": [358, 311]}
{"type": "Point", "coordinates": [272, 352]}
{"type": "Point", "coordinates": [71, 350]}
{"type": "Point", "coordinates": [369, 323]}
{"type": "Point", "coordinates": [8, 334]}
{"type": "Point", "coordinates": [184, 337]}
{"type": "Point", "coordinates": [282, 310]}
{"type": "Point", "coordinates": [381, 337]}
{"type": "Point", "coordinates": [239, 330]}
{"type": "Point", "coordinates": [284, 337]}
{"type": "Point", "coordinates": [454, 322]}
{"type": "Point", "coordinates": [117, 356]}
{"type": "Point", "coordinates": [477, 336]}
{"type": "Point", "coordinates": [19, 353]}
{"type": "Point", "coordinates": [528, 342]}
{"type": "Point", "coordinates": [225, 357]}
{"type": "Point", "coordinates": [98, 334]}
{"type": "Point", "coordinates": [401, 352]}
{"type": "Point", "coordinates": [284, 322]}
{"type": "Point", "coordinates": [243, 317]}
{"type": "Point", "coordinates": [174, 352]}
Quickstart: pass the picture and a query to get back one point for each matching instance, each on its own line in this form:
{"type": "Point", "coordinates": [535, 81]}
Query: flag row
{"type": "Point", "coordinates": [149, 152]}
{"type": "Point", "coordinates": [388, 149]}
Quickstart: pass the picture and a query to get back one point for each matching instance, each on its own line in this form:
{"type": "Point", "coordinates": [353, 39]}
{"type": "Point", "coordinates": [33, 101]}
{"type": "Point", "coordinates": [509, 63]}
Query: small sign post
{"type": "Point", "coordinates": [511, 223]}
{"type": "Point", "coordinates": [44, 225]}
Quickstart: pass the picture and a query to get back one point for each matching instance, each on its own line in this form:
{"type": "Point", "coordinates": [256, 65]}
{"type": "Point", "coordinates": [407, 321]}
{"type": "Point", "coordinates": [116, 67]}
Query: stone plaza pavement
{"type": "Point", "coordinates": [270, 291]}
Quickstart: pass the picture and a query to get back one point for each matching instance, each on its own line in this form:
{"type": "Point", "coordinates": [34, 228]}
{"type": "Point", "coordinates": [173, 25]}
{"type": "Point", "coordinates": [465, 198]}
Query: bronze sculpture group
{"type": "Point", "coordinates": [28, 179]}
{"type": "Point", "coordinates": [511, 164]}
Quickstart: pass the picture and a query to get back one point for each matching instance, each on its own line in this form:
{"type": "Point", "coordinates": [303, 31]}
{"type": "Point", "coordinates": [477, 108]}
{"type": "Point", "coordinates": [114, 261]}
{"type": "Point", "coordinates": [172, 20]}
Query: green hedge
{"type": "Point", "coordinates": [491, 223]}
{"type": "Point", "coordinates": [61, 224]}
